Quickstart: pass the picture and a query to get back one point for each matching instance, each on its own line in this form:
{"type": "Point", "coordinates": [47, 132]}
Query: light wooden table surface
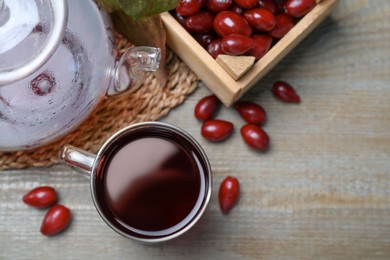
{"type": "Point", "coordinates": [321, 192]}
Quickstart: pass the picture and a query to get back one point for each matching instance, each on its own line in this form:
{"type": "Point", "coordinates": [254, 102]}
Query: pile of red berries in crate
{"type": "Point", "coordinates": [240, 27]}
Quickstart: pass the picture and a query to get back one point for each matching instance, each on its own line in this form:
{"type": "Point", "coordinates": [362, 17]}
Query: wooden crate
{"type": "Point", "coordinates": [215, 77]}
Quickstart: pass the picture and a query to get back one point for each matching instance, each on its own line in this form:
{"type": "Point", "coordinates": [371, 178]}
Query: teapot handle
{"type": "Point", "coordinates": [131, 68]}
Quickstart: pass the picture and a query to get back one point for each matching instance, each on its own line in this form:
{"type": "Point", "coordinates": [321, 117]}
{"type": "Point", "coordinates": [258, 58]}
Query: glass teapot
{"type": "Point", "coordinates": [57, 62]}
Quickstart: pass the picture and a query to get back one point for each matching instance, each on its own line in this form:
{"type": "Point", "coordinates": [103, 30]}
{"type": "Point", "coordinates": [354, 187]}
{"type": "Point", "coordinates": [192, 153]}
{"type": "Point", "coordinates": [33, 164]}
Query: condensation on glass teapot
{"type": "Point", "coordinates": [57, 62]}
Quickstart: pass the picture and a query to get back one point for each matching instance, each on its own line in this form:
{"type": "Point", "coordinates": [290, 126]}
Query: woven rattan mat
{"type": "Point", "coordinates": [148, 102]}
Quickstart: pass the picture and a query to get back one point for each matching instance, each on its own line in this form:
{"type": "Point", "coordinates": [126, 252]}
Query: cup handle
{"type": "Point", "coordinates": [78, 159]}
{"type": "Point", "coordinates": [132, 66]}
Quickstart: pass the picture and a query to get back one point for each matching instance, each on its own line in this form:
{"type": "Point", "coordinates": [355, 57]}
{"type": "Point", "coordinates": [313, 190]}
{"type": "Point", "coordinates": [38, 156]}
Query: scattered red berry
{"type": "Point", "coordinates": [55, 220]}
{"type": "Point", "coordinates": [206, 107]}
{"type": "Point", "coordinates": [216, 130]}
{"type": "Point", "coordinates": [255, 137]}
{"type": "Point", "coordinates": [251, 112]}
{"type": "Point", "coordinates": [285, 92]}
{"type": "Point", "coordinates": [228, 193]}
{"type": "Point", "coordinates": [41, 197]}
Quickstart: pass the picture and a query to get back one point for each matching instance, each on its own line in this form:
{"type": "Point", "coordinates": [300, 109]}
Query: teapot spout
{"type": "Point", "coordinates": [132, 67]}
{"type": "Point", "coordinates": [145, 58]}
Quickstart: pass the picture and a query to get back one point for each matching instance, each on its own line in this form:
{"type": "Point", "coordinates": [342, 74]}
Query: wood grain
{"type": "Point", "coordinates": [321, 192]}
{"type": "Point", "coordinates": [235, 66]}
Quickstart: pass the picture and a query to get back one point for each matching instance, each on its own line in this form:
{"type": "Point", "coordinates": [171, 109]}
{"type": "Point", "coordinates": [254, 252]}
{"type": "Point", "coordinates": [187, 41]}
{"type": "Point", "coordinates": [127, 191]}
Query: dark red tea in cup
{"type": "Point", "coordinates": [151, 182]}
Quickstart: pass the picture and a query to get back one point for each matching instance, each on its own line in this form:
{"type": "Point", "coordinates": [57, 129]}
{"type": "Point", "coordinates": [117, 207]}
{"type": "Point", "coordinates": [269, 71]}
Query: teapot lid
{"type": "Point", "coordinates": [31, 31]}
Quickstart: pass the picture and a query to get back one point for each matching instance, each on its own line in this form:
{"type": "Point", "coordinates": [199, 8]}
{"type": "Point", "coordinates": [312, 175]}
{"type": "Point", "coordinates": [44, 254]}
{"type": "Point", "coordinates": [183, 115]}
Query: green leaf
{"type": "Point", "coordinates": [138, 8]}
{"type": "Point", "coordinates": [143, 8]}
{"type": "Point", "coordinates": [109, 5]}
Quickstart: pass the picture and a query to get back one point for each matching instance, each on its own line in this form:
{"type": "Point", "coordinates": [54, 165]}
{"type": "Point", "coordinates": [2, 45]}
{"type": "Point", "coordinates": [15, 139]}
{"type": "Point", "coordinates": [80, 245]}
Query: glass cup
{"type": "Point", "coordinates": [150, 181]}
